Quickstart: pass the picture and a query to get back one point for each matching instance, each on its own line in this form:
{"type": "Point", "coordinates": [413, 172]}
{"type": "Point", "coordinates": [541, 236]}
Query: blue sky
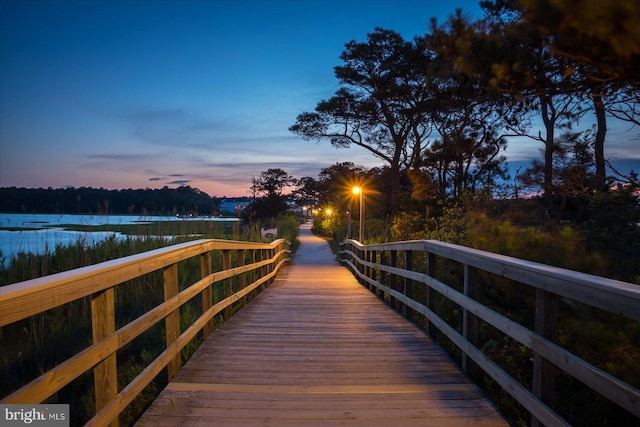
{"type": "Point", "coordinates": [136, 94]}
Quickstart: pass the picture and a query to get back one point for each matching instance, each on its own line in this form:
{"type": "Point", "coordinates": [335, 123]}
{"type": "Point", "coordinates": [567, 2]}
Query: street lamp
{"type": "Point", "coordinates": [360, 191]}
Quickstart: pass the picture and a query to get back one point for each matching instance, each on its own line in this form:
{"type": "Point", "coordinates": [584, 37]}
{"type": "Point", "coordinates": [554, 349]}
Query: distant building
{"type": "Point", "coordinates": [294, 207]}
{"type": "Point", "coordinates": [234, 205]}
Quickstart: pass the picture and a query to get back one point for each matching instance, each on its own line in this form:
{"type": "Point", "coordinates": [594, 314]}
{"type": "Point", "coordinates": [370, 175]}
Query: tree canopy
{"type": "Point", "coordinates": [439, 109]}
{"type": "Point", "coordinates": [378, 106]}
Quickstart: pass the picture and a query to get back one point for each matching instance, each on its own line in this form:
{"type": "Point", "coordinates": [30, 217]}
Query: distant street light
{"type": "Point", "coordinates": [360, 191]}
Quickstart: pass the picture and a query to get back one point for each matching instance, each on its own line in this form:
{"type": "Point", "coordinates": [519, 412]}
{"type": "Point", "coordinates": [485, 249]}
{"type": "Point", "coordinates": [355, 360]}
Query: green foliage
{"type": "Point", "coordinates": [450, 227]}
{"type": "Point", "coordinates": [407, 226]}
{"type": "Point", "coordinates": [325, 223]}
{"type": "Point", "coordinates": [375, 231]}
{"type": "Point", "coordinates": [266, 208]}
{"type": "Point", "coordinates": [611, 227]}
{"type": "Point", "coordinates": [288, 229]}
{"type": "Point", "coordinates": [273, 182]}
{"type": "Point", "coordinates": [609, 342]}
{"type": "Point", "coordinates": [564, 247]}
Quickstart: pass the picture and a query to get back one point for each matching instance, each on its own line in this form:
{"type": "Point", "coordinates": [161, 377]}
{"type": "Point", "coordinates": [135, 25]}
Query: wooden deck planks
{"type": "Point", "coordinates": [316, 348]}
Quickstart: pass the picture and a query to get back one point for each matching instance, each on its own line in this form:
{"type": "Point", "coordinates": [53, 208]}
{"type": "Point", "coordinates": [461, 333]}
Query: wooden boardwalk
{"type": "Point", "coordinates": [316, 348]}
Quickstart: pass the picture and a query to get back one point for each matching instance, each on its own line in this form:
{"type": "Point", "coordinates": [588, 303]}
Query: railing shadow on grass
{"type": "Point", "coordinates": [407, 275]}
{"type": "Point", "coordinates": [245, 269]}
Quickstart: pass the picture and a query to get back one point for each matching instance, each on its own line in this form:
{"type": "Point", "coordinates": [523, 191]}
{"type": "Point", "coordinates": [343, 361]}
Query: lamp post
{"type": "Point", "coordinates": [360, 191]}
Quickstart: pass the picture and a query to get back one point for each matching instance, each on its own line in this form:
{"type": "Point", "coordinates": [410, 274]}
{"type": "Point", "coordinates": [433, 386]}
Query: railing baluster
{"type": "Point", "coordinates": [272, 266]}
{"type": "Point", "coordinates": [431, 294]}
{"type": "Point", "coordinates": [546, 325]}
{"type": "Point", "coordinates": [228, 289]}
{"type": "Point", "coordinates": [207, 294]}
{"type": "Point", "coordinates": [264, 254]}
{"type": "Point", "coordinates": [362, 256]}
{"type": "Point", "coordinates": [369, 256]}
{"type": "Point", "coordinates": [242, 278]}
{"type": "Point", "coordinates": [172, 322]}
{"type": "Point", "coordinates": [469, 320]}
{"type": "Point", "coordinates": [103, 324]}
{"type": "Point", "coordinates": [380, 258]}
{"type": "Point", "coordinates": [253, 254]}
{"type": "Point", "coordinates": [393, 282]}
{"type": "Point", "coordinates": [352, 251]}
{"type": "Point", "coordinates": [407, 284]}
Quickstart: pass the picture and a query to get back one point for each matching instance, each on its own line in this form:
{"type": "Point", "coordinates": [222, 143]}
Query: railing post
{"type": "Point", "coordinates": [361, 258]}
{"type": "Point", "coordinates": [354, 252]}
{"type": "Point", "coordinates": [546, 325]}
{"type": "Point", "coordinates": [393, 283]}
{"type": "Point", "coordinates": [469, 320]}
{"type": "Point", "coordinates": [380, 258]}
{"type": "Point", "coordinates": [365, 269]}
{"type": "Point", "coordinates": [371, 258]}
{"type": "Point", "coordinates": [242, 278]}
{"type": "Point", "coordinates": [431, 294]}
{"type": "Point", "coordinates": [272, 265]}
{"type": "Point", "coordinates": [407, 284]}
{"type": "Point", "coordinates": [207, 294]}
{"type": "Point", "coordinates": [172, 322]}
{"type": "Point", "coordinates": [368, 257]}
{"type": "Point", "coordinates": [103, 324]}
{"type": "Point", "coordinates": [264, 255]}
{"type": "Point", "coordinates": [254, 274]}
{"type": "Point", "coordinates": [228, 287]}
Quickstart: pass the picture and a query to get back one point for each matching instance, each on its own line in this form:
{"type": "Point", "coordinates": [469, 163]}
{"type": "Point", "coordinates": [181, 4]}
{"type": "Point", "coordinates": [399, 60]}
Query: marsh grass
{"type": "Point", "coordinates": [33, 346]}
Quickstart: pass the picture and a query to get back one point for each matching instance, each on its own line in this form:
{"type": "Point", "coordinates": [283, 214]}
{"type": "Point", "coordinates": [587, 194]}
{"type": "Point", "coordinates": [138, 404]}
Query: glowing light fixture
{"type": "Point", "coordinates": [360, 191]}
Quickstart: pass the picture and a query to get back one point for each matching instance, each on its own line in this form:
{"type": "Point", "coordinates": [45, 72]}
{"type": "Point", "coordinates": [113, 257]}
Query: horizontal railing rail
{"type": "Point", "coordinates": [376, 266]}
{"type": "Point", "coordinates": [257, 263]}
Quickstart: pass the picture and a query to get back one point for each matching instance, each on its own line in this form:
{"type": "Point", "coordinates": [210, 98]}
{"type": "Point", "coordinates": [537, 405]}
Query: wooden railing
{"type": "Point", "coordinates": [256, 266]}
{"type": "Point", "coordinates": [377, 267]}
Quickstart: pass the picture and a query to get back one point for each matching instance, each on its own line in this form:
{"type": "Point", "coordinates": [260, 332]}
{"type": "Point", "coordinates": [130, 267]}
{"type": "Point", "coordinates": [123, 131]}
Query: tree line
{"type": "Point", "coordinates": [183, 200]}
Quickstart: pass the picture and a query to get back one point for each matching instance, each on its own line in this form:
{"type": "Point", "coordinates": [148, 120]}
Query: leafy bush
{"type": "Point", "coordinates": [564, 247]}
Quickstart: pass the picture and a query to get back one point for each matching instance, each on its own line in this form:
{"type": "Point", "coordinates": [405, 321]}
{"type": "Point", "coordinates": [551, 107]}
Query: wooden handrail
{"type": "Point", "coordinates": [25, 299]}
{"type": "Point", "coordinates": [370, 265]}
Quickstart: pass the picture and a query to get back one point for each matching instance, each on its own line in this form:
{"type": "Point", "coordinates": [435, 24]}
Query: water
{"type": "Point", "coordinates": [39, 233]}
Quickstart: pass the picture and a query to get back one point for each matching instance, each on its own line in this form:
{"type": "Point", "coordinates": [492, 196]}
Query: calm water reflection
{"type": "Point", "coordinates": [38, 233]}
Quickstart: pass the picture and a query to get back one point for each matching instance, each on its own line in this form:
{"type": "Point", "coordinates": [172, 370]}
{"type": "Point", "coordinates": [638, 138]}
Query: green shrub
{"type": "Point", "coordinates": [565, 247]}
